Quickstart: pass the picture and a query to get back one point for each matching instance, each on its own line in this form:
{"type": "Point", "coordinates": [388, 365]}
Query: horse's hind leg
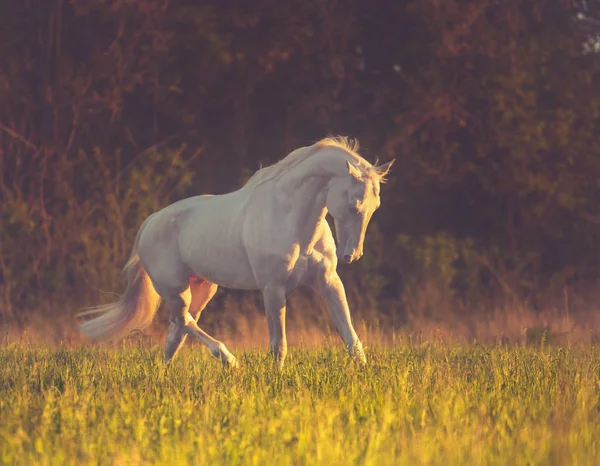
{"type": "Point", "coordinates": [202, 292]}
{"type": "Point", "coordinates": [179, 305]}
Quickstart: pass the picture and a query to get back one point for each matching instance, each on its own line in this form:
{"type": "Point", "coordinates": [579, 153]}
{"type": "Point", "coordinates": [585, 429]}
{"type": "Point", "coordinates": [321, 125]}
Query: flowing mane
{"type": "Point", "coordinates": [301, 154]}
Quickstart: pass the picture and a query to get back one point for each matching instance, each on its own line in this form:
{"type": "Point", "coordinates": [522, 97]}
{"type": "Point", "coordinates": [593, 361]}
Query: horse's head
{"type": "Point", "coordinates": [351, 200]}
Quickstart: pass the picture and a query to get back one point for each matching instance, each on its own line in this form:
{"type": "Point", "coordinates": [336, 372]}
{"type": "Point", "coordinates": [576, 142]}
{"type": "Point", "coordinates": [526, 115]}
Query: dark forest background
{"type": "Point", "coordinates": [111, 109]}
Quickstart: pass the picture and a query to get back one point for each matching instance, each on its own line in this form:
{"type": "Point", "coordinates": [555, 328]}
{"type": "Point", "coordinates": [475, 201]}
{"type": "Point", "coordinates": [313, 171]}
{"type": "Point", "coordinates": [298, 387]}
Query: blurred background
{"type": "Point", "coordinates": [490, 223]}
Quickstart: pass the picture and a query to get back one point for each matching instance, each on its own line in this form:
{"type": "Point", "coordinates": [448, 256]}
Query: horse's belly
{"type": "Point", "coordinates": [235, 276]}
{"type": "Point", "coordinates": [219, 261]}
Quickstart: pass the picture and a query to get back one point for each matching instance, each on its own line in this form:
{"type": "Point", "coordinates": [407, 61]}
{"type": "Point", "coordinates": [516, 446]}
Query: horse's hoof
{"type": "Point", "coordinates": [357, 353]}
{"type": "Point", "coordinates": [221, 352]}
{"type": "Point", "coordinates": [229, 359]}
{"type": "Point", "coordinates": [232, 362]}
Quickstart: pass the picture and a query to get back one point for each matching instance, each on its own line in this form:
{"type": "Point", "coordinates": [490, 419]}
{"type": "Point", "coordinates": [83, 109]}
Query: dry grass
{"type": "Point", "coordinates": [248, 330]}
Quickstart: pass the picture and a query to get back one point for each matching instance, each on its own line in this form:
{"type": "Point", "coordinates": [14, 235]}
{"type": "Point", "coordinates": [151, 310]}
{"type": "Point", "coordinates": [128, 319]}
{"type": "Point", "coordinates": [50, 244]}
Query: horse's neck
{"type": "Point", "coordinates": [305, 188]}
{"type": "Point", "coordinates": [316, 171]}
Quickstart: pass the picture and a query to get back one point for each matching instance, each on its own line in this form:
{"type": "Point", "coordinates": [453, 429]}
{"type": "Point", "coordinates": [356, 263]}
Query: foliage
{"type": "Point", "coordinates": [490, 108]}
{"type": "Point", "coordinates": [425, 403]}
{"type": "Point", "coordinates": [70, 233]}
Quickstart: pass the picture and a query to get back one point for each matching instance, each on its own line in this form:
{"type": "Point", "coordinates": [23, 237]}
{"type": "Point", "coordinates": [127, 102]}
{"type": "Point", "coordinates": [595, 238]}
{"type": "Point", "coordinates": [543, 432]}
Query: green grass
{"type": "Point", "coordinates": [426, 404]}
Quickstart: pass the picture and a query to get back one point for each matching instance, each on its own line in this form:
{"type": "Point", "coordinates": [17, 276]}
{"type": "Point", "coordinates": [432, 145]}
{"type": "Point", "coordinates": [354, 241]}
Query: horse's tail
{"type": "Point", "coordinates": [134, 310]}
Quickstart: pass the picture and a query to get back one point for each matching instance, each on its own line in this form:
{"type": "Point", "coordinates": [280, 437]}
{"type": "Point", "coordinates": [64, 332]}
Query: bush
{"type": "Point", "coordinates": [69, 231]}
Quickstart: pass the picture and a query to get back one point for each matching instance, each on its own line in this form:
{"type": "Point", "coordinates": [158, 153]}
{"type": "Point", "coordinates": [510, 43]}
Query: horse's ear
{"type": "Point", "coordinates": [384, 169]}
{"type": "Point", "coordinates": [355, 172]}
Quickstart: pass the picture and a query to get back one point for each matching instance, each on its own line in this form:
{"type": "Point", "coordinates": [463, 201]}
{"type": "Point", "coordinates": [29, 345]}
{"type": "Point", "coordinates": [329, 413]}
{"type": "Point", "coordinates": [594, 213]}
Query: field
{"type": "Point", "coordinates": [416, 403]}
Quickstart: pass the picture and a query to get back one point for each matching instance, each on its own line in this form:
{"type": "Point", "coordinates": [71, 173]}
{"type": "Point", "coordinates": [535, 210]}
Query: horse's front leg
{"type": "Point", "coordinates": [329, 286]}
{"type": "Point", "coordinates": [274, 299]}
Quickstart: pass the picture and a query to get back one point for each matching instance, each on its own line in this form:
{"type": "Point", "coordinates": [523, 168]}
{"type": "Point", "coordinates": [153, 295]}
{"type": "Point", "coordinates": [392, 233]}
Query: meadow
{"type": "Point", "coordinates": [415, 403]}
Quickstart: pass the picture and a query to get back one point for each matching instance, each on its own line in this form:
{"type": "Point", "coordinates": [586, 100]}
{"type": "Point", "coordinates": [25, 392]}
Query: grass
{"type": "Point", "coordinates": [414, 404]}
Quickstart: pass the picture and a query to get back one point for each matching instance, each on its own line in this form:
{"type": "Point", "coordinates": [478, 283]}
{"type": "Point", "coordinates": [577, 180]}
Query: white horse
{"type": "Point", "coordinates": [271, 235]}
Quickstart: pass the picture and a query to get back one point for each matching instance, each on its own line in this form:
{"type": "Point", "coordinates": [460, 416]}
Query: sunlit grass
{"type": "Point", "coordinates": [425, 404]}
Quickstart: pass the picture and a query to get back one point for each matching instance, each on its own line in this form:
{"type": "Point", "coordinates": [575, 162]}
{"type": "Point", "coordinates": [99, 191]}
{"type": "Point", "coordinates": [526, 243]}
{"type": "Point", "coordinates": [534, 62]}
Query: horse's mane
{"type": "Point", "coordinates": [301, 154]}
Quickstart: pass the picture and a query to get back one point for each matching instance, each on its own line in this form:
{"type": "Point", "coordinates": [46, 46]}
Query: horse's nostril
{"type": "Point", "coordinates": [346, 258]}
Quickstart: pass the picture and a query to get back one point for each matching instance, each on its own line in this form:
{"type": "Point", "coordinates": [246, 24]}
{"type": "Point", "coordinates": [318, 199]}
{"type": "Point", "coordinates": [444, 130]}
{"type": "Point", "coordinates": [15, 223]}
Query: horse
{"type": "Point", "coordinates": [270, 235]}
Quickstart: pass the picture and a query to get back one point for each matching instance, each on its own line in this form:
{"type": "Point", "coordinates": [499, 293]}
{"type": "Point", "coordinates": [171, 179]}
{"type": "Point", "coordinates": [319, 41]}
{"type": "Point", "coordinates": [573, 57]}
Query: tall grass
{"type": "Point", "coordinates": [422, 403]}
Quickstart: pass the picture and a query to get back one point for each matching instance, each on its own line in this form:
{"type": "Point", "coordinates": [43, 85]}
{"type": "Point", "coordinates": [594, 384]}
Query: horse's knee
{"type": "Point", "coordinates": [323, 274]}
